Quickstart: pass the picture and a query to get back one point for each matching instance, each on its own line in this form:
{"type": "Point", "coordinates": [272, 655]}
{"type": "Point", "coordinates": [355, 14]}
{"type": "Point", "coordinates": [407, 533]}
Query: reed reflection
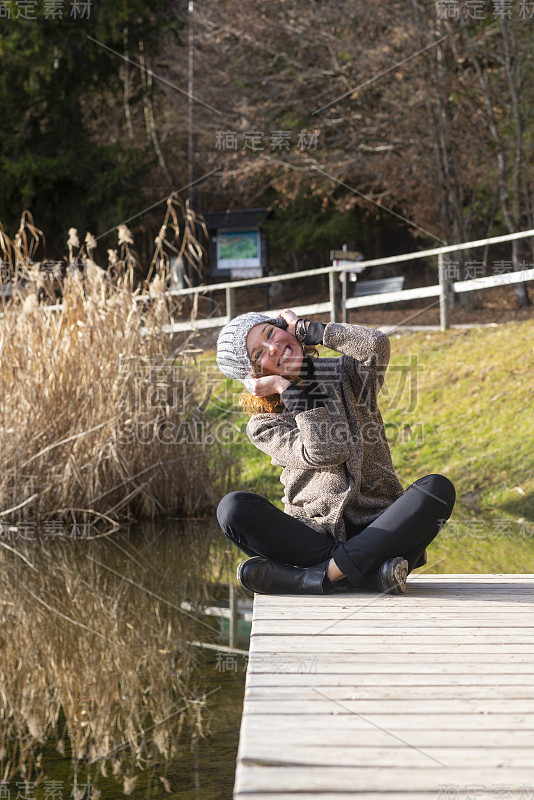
{"type": "Point", "coordinates": [98, 654]}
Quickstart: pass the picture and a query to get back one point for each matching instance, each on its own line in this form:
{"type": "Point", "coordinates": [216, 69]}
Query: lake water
{"type": "Point", "coordinates": [123, 665]}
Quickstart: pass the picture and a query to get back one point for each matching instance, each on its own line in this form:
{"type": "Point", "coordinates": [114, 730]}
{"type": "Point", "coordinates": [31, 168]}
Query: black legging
{"type": "Point", "coordinates": [405, 528]}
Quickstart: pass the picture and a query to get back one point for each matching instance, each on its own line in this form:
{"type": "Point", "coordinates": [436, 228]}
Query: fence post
{"type": "Point", "coordinates": [333, 285]}
{"type": "Point", "coordinates": [344, 282]}
{"type": "Point", "coordinates": [443, 294]}
{"type": "Point", "coordinates": [230, 303]}
{"type": "Point", "coordinates": [233, 620]}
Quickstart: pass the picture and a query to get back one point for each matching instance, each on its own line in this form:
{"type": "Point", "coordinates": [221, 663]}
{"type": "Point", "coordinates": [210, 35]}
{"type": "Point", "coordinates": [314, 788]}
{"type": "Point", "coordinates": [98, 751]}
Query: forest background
{"type": "Point", "coordinates": [385, 126]}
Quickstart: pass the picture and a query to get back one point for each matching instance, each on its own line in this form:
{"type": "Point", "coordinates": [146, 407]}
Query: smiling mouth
{"type": "Point", "coordinates": [285, 355]}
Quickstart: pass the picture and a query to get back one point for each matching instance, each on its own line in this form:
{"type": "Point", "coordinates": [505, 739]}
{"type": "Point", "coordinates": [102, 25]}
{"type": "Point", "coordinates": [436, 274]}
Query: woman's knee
{"type": "Point", "coordinates": [443, 489]}
{"type": "Point", "coordinates": [232, 506]}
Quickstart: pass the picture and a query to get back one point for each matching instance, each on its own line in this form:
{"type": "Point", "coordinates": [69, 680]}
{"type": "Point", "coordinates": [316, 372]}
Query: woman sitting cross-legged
{"type": "Point", "coordinates": [348, 523]}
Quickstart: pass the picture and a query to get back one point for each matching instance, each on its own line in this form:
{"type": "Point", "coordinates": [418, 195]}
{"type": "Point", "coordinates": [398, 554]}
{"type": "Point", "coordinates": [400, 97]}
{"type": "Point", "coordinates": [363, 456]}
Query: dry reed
{"type": "Point", "coordinates": [100, 420]}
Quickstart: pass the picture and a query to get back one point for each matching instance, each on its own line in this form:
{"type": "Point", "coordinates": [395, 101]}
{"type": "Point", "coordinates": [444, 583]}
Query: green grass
{"type": "Point", "coordinates": [458, 403]}
{"type": "Point", "coordinates": [473, 403]}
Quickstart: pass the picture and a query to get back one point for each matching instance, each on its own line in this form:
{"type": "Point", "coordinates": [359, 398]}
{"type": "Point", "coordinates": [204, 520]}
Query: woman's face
{"type": "Point", "coordinates": [273, 351]}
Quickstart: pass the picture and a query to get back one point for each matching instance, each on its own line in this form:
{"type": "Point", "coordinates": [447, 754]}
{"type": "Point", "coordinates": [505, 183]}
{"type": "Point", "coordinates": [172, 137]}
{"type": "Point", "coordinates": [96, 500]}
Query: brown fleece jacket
{"type": "Point", "coordinates": [336, 459]}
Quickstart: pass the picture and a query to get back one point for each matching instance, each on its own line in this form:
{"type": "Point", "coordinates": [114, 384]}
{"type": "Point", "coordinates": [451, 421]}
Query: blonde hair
{"type": "Point", "coordinates": [273, 403]}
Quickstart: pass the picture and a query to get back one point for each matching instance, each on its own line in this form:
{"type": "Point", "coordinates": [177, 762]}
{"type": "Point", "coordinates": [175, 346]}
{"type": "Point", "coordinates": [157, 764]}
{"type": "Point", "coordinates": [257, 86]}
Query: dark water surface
{"type": "Point", "coordinates": [118, 676]}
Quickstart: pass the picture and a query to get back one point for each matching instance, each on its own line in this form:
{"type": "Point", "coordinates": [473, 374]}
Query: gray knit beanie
{"type": "Point", "coordinates": [232, 356]}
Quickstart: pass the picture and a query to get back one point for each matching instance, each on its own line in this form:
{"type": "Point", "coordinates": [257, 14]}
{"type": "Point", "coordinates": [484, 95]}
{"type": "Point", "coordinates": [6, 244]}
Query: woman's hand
{"type": "Point", "coordinates": [266, 385]}
{"type": "Point", "coordinates": [291, 319]}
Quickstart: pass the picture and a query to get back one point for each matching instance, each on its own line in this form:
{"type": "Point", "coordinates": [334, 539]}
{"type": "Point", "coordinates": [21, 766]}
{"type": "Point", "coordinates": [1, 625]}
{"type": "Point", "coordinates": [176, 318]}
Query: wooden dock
{"type": "Point", "coordinates": [427, 695]}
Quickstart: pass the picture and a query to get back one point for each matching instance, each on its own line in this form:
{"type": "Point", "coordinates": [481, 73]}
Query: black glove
{"type": "Point", "coordinates": [279, 322]}
{"type": "Point", "coordinates": [315, 333]}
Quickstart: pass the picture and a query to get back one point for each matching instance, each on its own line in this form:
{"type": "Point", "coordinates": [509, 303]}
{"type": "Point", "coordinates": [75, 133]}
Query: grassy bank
{"type": "Point", "coordinates": [457, 403]}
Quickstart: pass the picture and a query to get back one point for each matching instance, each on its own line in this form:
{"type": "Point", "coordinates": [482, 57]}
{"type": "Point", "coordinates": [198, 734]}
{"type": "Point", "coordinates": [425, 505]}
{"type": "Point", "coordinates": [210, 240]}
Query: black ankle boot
{"type": "Point", "coordinates": [422, 560]}
{"type": "Point", "coordinates": [265, 576]}
{"type": "Point", "coordinates": [339, 587]}
{"type": "Point", "coordinates": [390, 577]}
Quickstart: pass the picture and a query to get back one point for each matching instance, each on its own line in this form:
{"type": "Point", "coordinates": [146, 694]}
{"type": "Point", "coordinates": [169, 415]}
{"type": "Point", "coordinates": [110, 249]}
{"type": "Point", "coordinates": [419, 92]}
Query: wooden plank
{"type": "Point", "coordinates": [388, 697]}
{"type": "Point", "coordinates": [438, 629]}
{"type": "Point", "coordinates": [355, 627]}
{"type": "Point", "coordinates": [314, 779]}
{"type": "Point", "coordinates": [417, 625]}
{"type": "Point", "coordinates": [415, 619]}
{"type": "Point", "coordinates": [408, 680]}
{"type": "Point", "coordinates": [373, 736]}
{"type": "Point", "coordinates": [494, 280]}
{"type": "Point", "coordinates": [392, 297]}
{"type": "Point", "coordinates": [304, 693]}
{"type": "Point", "coordinates": [427, 598]}
{"type": "Point", "coordinates": [523, 604]}
{"type": "Point", "coordinates": [322, 644]}
{"type": "Point", "coordinates": [359, 663]}
{"type": "Point", "coordinates": [413, 613]}
{"type": "Point", "coordinates": [396, 723]}
{"type": "Point", "coordinates": [392, 754]}
{"type": "Point", "coordinates": [428, 595]}
{"type": "Point", "coordinates": [323, 702]}
{"type": "Point", "coordinates": [458, 793]}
